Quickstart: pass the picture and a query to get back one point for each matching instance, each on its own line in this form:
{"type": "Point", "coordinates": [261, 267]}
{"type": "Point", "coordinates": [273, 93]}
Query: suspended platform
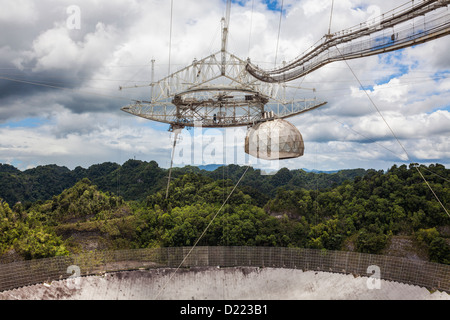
{"type": "Point", "coordinates": [217, 91]}
{"type": "Point", "coordinates": [223, 90]}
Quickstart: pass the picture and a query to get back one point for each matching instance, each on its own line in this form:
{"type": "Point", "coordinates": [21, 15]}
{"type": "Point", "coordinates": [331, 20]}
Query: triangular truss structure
{"type": "Point", "coordinates": [217, 91]}
{"type": "Point", "coordinates": [413, 23]}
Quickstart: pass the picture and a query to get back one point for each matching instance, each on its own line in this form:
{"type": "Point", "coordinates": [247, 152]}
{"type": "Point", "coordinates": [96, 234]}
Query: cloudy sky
{"type": "Point", "coordinates": [62, 62]}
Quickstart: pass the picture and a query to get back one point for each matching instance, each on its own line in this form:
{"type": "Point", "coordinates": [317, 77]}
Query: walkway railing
{"type": "Point", "coordinates": [432, 276]}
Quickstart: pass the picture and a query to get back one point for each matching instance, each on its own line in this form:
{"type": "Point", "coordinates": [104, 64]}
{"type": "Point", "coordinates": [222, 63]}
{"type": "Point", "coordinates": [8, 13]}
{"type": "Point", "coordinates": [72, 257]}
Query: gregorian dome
{"type": "Point", "coordinates": [273, 140]}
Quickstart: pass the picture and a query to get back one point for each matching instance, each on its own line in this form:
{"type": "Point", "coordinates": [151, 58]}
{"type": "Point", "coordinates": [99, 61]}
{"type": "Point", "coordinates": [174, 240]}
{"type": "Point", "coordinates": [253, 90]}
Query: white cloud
{"type": "Point", "coordinates": [118, 39]}
{"type": "Point", "coordinates": [86, 141]}
{"type": "Point", "coordinates": [392, 92]}
{"type": "Point", "coordinates": [18, 12]}
{"type": "Point", "coordinates": [55, 49]}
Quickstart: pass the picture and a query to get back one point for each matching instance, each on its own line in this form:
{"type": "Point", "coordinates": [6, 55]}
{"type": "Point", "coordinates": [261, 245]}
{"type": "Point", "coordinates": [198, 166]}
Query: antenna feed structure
{"type": "Point", "coordinates": [219, 92]}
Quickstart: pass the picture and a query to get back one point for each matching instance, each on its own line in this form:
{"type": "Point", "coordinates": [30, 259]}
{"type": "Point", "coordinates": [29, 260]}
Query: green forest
{"type": "Point", "coordinates": [50, 210]}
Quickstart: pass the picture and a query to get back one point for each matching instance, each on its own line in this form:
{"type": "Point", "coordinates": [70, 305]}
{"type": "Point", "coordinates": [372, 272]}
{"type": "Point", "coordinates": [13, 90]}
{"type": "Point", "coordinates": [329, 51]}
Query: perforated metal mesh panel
{"type": "Point", "coordinates": [273, 140]}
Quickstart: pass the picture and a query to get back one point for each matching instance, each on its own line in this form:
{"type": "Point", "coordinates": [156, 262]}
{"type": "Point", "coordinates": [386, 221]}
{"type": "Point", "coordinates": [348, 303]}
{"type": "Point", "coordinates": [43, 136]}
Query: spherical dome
{"type": "Point", "coordinates": [274, 140]}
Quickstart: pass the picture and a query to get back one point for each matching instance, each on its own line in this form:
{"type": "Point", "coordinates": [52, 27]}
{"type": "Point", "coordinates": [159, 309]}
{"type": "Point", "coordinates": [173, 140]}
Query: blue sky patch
{"type": "Point", "coordinates": [393, 59]}
{"type": "Point", "coordinates": [25, 123]}
{"type": "Point", "coordinates": [361, 7]}
{"type": "Point", "coordinates": [272, 5]}
{"type": "Point", "coordinates": [441, 75]}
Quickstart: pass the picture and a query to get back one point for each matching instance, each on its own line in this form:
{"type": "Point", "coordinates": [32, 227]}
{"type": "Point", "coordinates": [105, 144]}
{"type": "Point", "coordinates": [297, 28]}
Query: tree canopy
{"type": "Point", "coordinates": [353, 210]}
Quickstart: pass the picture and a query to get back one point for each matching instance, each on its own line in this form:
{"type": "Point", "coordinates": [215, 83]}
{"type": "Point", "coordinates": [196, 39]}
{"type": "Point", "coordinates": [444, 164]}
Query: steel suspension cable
{"type": "Point", "coordinates": [437, 175]}
{"type": "Point", "coordinates": [170, 35]}
{"type": "Point", "coordinates": [251, 26]}
{"type": "Point", "coordinates": [203, 233]}
{"type": "Point", "coordinates": [373, 104]}
{"type": "Point", "coordinates": [331, 17]}
{"type": "Point", "coordinates": [392, 131]}
{"type": "Point", "coordinates": [39, 84]}
{"type": "Point", "coordinates": [429, 186]}
{"type": "Point", "coordinates": [279, 30]}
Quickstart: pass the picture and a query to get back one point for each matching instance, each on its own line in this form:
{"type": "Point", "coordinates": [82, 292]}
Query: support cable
{"type": "Point", "coordinates": [251, 27]}
{"type": "Point", "coordinates": [373, 103]}
{"type": "Point", "coordinates": [379, 112]}
{"type": "Point", "coordinates": [320, 54]}
{"type": "Point", "coordinates": [437, 175]}
{"type": "Point", "coordinates": [171, 161]}
{"type": "Point", "coordinates": [203, 233]}
{"type": "Point", "coordinates": [392, 131]}
{"type": "Point", "coordinates": [62, 88]}
{"type": "Point", "coordinates": [279, 29]}
{"type": "Point", "coordinates": [331, 18]}
{"type": "Point", "coordinates": [170, 35]}
{"type": "Point", "coordinates": [435, 195]}
{"type": "Point", "coordinates": [360, 134]}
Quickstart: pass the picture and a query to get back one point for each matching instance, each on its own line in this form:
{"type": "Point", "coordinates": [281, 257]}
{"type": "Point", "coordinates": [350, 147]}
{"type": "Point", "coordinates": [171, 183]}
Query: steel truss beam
{"type": "Point", "coordinates": [413, 23]}
{"type": "Point", "coordinates": [217, 91]}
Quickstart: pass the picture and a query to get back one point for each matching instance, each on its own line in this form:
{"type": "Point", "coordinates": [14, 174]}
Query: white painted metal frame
{"type": "Point", "coordinates": [413, 23]}
{"type": "Point", "coordinates": [202, 82]}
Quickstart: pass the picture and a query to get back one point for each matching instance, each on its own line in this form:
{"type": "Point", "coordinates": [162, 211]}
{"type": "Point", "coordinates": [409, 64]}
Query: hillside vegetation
{"type": "Point", "coordinates": [50, 210]}
{"type": "Point", "coordinates": [135, 180]}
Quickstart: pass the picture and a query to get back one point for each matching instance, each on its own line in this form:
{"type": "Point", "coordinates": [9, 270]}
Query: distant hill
{"type": "Point", "coordinates": [135, 179]}
{"type": "Point", "coordinates": [210, 167]}
{"type": "Point", "coordinates": [392, 212]}
{"type": "Point", "coordinates": [320, 171]}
